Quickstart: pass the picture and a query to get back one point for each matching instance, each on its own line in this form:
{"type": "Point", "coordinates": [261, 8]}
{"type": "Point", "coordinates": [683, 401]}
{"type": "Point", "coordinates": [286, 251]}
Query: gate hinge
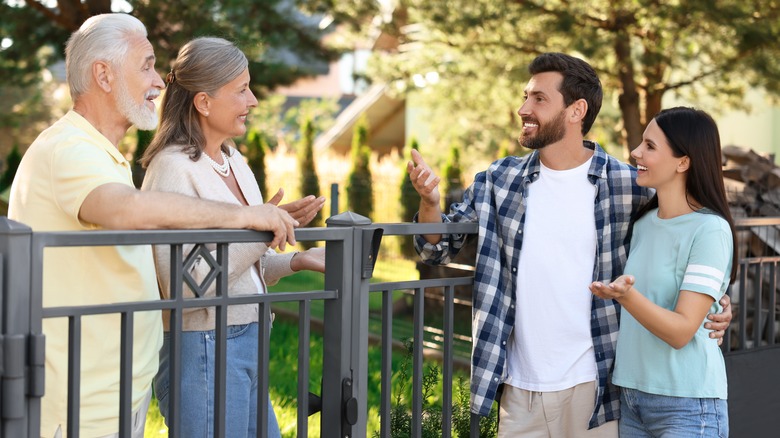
{"type": "Point", "coordinates": [21, 372]}
{"type": "Point", "coordinates": [36, 362]}
{"type": "Point", "coordinates": [12, 384]}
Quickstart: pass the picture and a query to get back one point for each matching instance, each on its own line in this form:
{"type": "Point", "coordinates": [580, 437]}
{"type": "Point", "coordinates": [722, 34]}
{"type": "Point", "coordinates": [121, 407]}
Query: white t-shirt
{"type": "Point", "coordinates": [551, 348]}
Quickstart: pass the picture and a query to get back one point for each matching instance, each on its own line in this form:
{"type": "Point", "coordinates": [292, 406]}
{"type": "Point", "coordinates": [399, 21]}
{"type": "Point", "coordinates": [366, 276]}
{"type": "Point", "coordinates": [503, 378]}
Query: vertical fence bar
{"type": "Point", "coordinates": [174, 341]}
{"type": "Point", "coordinates": [334, 199]}
{"type": "Point", "coordinates": [474, 425]}
{"type": "Point", "coordinates": [220, 342]}
{"type": "Point", "coordinates": [417, 361]}
{"type": "Point", "coordinates": [126, 375]}
{"type": "Point", "coordinates": [304, 339]}
{"type": "Point", "coordinates": [757, 316]}
{"type": "Point", "coordinates": [772, 307]}
{"type": "Point", "coordinates": [743, 305]}
{"type": "Point", "coordinates": [17, 318]}
{"type": "Point", "coordinates": [448, 328]}
{"type": "Point", "coordinates": [74, 375]}
{"type": "Point", "coordinates": [263, 333]}
{"type": "Point", "coordinates": [387, 364]}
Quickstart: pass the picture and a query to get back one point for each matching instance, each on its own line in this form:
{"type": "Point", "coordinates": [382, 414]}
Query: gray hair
{"type": "Point", "coordinates": [104, 37]}
{"type": "Point", "coordinates": [204, 64]}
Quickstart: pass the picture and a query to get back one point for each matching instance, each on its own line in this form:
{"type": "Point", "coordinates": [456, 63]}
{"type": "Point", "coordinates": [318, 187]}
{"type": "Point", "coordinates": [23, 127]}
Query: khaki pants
{"type": "Point", "coordinates": [138, 421]}
{"type": "Point", "coordinates": [558, 414]}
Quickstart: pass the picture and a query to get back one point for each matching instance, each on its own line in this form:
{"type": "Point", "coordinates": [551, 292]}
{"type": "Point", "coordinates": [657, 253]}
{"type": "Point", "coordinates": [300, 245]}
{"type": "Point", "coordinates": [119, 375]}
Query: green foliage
{"type": "Point", "coordinates": [504, 149]}
{"type": "Point", "coordinates": [254, 150]}
{"type": "Point", "coordinates": [282, 42]}
{"type": "Point", "coordinates": [143, 139]}
{"type": "Point", "coordinates": [461, 414]}
{"type": "Point", "coordinates": [401, 417]}
{"type": "Point", "coordinates": [360, 196]}
{"type": "Point", "coordinates": [11, 164]}
{"type": "Point", "coordinates": [467, 59]}
{"type": "Point", "coordinates": [410, 202]}
{"type": "Point", "coordinates": [310, 183]}
{"type": "Point", "coordinates": [452, 182]}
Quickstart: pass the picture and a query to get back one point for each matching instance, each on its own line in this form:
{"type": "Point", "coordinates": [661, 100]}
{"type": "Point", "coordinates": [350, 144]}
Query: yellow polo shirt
{"type": "Point", "coordinates": [64, 164]}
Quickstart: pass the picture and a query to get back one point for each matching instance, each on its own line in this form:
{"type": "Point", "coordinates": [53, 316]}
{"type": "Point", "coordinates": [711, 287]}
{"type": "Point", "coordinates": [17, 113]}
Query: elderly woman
{"type": "Point", "coordinates": [205, 105]}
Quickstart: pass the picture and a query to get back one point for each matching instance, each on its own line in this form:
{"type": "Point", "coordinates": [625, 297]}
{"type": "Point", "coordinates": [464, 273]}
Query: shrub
{"type": "Point", "coordinates": [360, 196]}
{"type": "Point", "coordinates": [11, 164]}
{"type": "Point", "coordinates": [461, 415]}
{"type": "Point", "coordinates": [310, 183]}
{"type": "Point", "coordinates": [452, 187]}
{"type": "Point", "coordinates": [401, 417]}
{"type": "Point", "coordinates": [410, 202]}
{"type": "Point", "coordinates": [254, 150]}
{"type": "Point", "coordinates": [143, 139]}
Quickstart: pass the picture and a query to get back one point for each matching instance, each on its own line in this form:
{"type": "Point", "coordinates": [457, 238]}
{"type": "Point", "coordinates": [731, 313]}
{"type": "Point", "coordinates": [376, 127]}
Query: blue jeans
{"type": "Point", "coordinates": [197, 383]}
{"type": "Point", "coordinates": [651, 415]}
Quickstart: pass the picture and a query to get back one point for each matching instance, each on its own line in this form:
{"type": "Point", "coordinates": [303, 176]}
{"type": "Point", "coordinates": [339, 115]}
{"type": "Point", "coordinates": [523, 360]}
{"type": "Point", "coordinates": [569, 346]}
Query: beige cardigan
{"type": "Point", "coordinates": [173, 171]}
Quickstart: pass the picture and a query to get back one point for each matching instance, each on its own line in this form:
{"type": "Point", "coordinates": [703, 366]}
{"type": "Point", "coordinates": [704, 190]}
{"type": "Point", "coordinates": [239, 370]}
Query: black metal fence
{"type": "Point", "coordinates": [752, 344]}
{"type": "Point", "coordinates": [352, 244]}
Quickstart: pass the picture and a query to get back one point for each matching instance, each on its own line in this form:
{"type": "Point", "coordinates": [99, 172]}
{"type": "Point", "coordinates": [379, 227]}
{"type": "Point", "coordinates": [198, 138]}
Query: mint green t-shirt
{"type": "Point", "coordinates": [691, 252]}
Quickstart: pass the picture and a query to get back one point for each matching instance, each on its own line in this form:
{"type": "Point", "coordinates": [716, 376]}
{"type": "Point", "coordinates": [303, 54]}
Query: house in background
{"type": "Point", "coordinates": [386, 114]}
{"type": "Point", "coordinates": [386, 118]}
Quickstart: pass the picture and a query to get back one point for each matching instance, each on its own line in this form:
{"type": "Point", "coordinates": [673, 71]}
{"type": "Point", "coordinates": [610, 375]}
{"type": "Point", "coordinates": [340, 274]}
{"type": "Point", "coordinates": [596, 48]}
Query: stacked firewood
{"type": "Point", "coordinates": [752, 182]}
{"type": "Point", "coordinates": [753, 190]}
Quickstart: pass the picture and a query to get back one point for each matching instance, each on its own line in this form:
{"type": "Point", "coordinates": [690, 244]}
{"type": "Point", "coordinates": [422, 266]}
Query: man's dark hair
{"type": "Point", "coordinates": [579, 82]}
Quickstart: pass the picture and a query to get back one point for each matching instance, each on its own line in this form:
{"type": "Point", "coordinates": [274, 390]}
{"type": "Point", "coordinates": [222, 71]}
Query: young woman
{"type": "Point", "coordinates": [671, 374]}
{"type": "Point", "coordinates": [205, 105]}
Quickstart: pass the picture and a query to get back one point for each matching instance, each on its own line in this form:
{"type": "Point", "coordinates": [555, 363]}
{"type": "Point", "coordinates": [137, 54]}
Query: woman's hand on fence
{"type": "Point", "coordinates": [313, 259]}
{"type": "Point", "coordinates": [302, 210]}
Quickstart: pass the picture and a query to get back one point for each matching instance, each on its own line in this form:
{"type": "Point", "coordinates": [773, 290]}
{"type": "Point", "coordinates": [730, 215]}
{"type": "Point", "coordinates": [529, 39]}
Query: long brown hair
{"type": "Point", "coordinates": [204, 65]}
{"type": "Point", "coordinates": [692, 132]}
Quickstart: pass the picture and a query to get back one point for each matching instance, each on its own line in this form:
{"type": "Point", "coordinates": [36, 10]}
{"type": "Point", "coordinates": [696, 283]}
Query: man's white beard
{"type": "Point", "coordinates": [137, 114]}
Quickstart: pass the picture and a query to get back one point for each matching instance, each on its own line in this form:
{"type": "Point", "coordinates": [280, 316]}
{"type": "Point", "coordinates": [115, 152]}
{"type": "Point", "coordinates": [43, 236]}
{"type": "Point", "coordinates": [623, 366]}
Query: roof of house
{"type": "Point", "coordinates": [386, 123]}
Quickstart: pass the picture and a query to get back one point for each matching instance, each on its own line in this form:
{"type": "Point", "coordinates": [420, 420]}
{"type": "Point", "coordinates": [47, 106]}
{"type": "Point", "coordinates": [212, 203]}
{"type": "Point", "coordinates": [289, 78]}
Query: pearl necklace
{"type": "Point", "coordinates": [222, 169]}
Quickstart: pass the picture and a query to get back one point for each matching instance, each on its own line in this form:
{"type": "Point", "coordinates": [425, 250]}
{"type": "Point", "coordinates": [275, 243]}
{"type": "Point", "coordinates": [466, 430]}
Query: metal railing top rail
{"type": "Point", "coordinates": [186, 303]}
{"type": "Point", "coordinates": [412, 284]}
{"type": "Point", "coordinates": [172, 237]}
{"type": "Point", "coordinates": [412, 228]}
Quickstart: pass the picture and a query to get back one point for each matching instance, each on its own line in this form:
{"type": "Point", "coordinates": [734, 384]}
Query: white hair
{"type": "Point", "coordinates": [104, 37]}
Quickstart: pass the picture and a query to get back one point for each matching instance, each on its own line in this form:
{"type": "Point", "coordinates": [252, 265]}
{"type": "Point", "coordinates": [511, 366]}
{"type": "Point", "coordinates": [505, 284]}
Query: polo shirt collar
{"type": "Point", "coordinates": [101, 140]}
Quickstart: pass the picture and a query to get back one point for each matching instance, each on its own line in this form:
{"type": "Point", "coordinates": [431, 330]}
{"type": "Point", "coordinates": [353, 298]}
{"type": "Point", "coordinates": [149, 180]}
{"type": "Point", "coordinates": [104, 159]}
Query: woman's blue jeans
{"type": "Point", "coordinates": [650, 415]}
{"type": "Point", "coordinates": [197, 383]}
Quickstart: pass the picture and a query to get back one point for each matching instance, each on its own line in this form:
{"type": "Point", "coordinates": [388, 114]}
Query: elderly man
{"type": "Point", "coordinates": [73, 178]}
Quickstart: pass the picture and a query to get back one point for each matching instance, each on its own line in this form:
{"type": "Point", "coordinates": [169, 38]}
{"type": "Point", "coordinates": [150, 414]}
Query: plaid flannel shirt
{"type": "Point", "coordinates": [496, 201]}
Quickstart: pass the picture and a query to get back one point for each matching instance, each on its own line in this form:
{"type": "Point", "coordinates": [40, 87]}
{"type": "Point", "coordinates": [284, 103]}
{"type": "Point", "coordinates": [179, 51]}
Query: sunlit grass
{"type": "Point", "coordinates": [283, 380]}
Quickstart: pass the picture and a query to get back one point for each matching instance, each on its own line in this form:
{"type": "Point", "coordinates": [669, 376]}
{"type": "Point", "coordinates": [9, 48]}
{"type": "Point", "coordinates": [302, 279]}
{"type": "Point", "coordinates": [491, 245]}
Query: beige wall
{"type": "Point", "coordinates": [757, 129]}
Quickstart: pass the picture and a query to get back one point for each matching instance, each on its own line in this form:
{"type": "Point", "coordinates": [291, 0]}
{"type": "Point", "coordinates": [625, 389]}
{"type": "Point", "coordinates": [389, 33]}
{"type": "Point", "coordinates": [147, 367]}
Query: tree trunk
{"type": "Point", "coordinates": [652, 107]}
{"type": "Point", "coordinates": [628, 99]}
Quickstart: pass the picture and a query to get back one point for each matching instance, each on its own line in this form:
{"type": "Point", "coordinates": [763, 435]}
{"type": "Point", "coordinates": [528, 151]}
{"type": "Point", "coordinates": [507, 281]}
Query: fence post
{"type": "Point", "coordinates": [345, 350]}
{"type": "Point", "coordinates": [19, 405]}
